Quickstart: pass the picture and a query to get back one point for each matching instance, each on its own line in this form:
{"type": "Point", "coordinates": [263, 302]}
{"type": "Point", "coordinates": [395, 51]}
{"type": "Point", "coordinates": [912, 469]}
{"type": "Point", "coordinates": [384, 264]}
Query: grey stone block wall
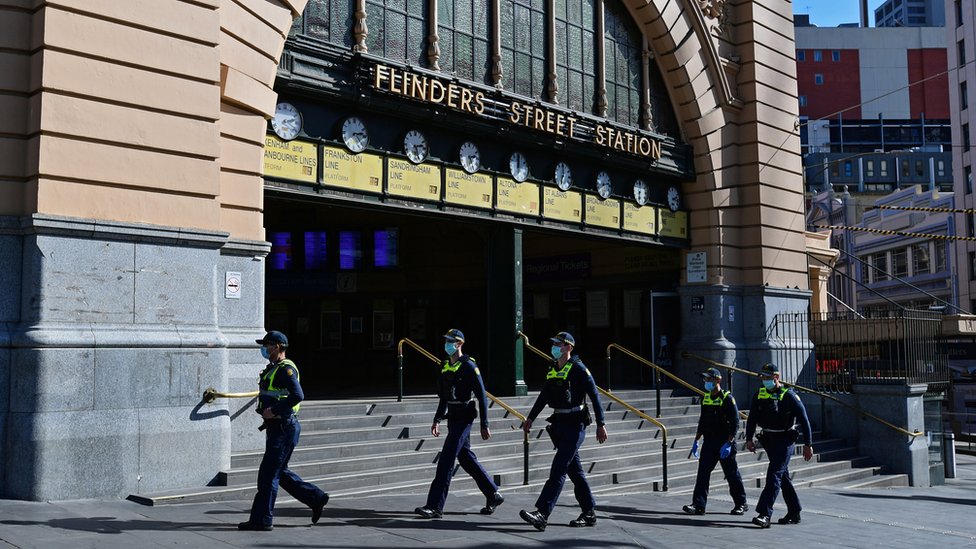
{"type": "Point", "coordinates": [109, 338]}
{"type": "Point", "coordinates": [899, 405]}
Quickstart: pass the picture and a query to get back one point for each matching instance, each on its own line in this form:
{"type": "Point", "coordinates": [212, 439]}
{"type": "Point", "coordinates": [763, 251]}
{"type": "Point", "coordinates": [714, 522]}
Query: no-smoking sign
{"type": "Point", "coordinates": [232, 285]}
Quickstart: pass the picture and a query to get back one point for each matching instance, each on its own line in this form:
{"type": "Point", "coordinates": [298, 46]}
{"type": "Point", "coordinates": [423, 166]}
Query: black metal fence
{"type": "Point", "coordinates": [842, 349]}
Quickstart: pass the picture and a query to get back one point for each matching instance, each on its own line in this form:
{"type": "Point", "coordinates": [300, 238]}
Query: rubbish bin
{"type": "Point", "coordinates": [949, 454]}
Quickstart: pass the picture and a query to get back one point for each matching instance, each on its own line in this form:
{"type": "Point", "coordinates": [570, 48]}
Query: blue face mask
{"type": "Point", "coordinates": [450, 348]}
{"type": "Point", "coordinates": [709, 385]}
{"type": "Point", "coordinates": [770, 384]}
{"type": "Point", "coordinates": [265, 353]}
{"type": "Point", "coordinates": [556, 352]}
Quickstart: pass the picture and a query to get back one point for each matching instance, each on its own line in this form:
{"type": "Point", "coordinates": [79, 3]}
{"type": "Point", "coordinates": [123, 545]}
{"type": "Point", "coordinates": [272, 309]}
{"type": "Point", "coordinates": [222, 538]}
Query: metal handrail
{"type": "Point", "coordinates": [642, 415]}
{"type": "Point", "coordinates": [493, 398]}
{"type": "Point", "coordinates": [658, 370]}
{"type": "Point", "coordinates": [210, 394]}
{"type": "Point", "coordinates": [861, 412]}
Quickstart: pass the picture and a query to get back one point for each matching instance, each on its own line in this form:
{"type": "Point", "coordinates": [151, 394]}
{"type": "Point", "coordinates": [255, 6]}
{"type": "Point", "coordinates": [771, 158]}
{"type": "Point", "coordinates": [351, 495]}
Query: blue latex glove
{"type": "Point", "coordinates": [725, 451]}
{"type": "Point", "coordinates": [694, 449]}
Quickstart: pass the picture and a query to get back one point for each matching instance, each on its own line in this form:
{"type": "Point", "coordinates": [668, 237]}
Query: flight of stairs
{"type": "Point", "coordinates": [381, 446]}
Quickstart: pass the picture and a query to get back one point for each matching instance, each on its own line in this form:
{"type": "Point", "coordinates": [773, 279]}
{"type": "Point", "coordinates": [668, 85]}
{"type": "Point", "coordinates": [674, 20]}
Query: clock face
{"type": "Point", "coordinates": [518, 167]}
{"type": "Point", "coordinates": [674, 199]}
{"type": "Point", "coordinates": [354, 134]}
{"type": "Point", "coordinates": [640, 192]}
{"type": "Point", "coordinates": [603, 186]}
{"type": "Point", "coordinates": [287, 121]}
{"type": "Point", "coordinates": [470, 157]}
{"type": "Point", "coordinates": [564, 176]}
{"type": "Point", "coordinates": [415, 146]}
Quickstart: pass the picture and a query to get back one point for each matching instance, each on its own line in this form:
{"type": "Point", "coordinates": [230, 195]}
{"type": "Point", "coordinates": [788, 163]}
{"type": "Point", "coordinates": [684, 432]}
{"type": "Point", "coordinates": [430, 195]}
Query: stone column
{"type": "Point", "coordinates": [505, 372]}
{"type": "Point", "coordinates": [903, 406]}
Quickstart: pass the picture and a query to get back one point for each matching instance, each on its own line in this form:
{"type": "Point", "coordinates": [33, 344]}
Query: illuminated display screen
{"type": "Point", "coordinates": [315, 250]}
{"type": "Point", "coordinates": [385, 248]}
{"type": "Point", "coordinates": [350, 250]}
{"type": "Point", "coordinates": [280, 257]}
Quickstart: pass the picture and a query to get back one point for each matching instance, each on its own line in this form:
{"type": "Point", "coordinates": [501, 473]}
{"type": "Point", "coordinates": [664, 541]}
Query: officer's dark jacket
{"type": "Point", "coordinates": [719, 421]}
{"type": "Point", "coordinates": [286, 378]}
{"type": "Point", "coordinates": [581, 384]}
{"type": "Point", "coordinates": [780, 412]}
{"type": "Point", "coordinates": [459, 387]}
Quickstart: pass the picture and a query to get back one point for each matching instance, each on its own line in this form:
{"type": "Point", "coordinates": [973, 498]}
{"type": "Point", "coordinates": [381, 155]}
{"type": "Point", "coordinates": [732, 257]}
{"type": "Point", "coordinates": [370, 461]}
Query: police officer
{"type": "Point", "coordinates": [278, 403]}
{"type": "Point", "coordinates": [718, 423]}
{"type": "Point", "coordinates": [459, 379]}
{"type": "Point", "coordinates": [567, 384]}
{"type": "Point", "coordinates": [780, 413]}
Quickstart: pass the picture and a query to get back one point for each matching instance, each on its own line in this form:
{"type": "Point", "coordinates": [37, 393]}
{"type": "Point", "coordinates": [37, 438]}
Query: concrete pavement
{"type": "Point", "coordinates": [891, 518]}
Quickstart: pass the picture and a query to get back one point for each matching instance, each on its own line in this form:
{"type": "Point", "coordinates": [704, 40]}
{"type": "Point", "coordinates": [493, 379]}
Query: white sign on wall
{"type": "Point", "coordinates": [697, 267]}
{"type": "Point", "coordinates": [232, 285]}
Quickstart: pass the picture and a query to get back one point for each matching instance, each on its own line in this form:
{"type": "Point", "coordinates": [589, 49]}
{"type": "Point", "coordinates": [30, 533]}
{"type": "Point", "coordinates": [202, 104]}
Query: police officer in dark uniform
{"type": "Point", "coordinates": [780, 413]}
{"type": "Point", "coordinates": [567, 384]}
{"type": "Point", "coordinates": [278, 403]}
{"type": "Point", "coordinates": [718, 423]}
{"type": "Point", "coordinates": [459, 380]}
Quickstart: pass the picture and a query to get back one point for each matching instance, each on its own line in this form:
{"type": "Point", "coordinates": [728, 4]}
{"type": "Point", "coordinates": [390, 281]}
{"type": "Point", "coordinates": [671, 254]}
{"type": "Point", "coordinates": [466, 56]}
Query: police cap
{"type": "Point", "coordinates": [711, 373]}
{"type": "Point", "coordinates": [274, 337]}
{"type": "Point", "coordinates": [769, 369]}
{"type": "Point", "coordinates": [564, 338]}
{"type": "Point", "coordinates": [454, 335]}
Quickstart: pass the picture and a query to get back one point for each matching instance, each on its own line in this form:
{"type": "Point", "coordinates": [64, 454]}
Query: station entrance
{"type": "Point", "coordinates": [348, 281]}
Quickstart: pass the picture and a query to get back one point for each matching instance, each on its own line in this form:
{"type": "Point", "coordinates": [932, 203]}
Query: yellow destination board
{"type": "Point", "coordinates": [357, 172]}
{"type": "Point", "coordinates": [672, 223]}
{"type": "Point", "coordinates": [297, 160]}
{"type": "Point", "coordinates": [413, 180]}
{"type": "Point", "coordinates": [640, 219]}
{"type": "Point", "coordinates": [468, 189]}
{"type": "Point", "coordinates": [521, 198]}
{"type": "Point", "coordinates": [562, 205]}
{"type": "Point", "coordinates": [602, 213]}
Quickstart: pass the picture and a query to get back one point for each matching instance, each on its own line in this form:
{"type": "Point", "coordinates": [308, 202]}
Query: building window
{"type": "Point", "coordinates": [972, 265]}
{"type": "Point", "coordinates": [327, 20]}
{"type": "Point", "coordinates": [624, 68]}
{"type": "Point", "coordinates": [865, 269]}
{"type": "Point", "coordinates": [803, 101]}
{"type": "Point", "coordinates": [940, 168]}
{"type": "Point", "coordinates": [961, 46]}
{"type": "Point", "coordinates": [920, 259]}
{"type": "Point", "coordinates": [963, 95]}
{"type": "Point", "coordinates": [899, 262]}
{"type": "Point", "coordinates": [463, 30]}
{"type": "Point", "coordinates": [968, 179]}
{"type": "Point", "coordinates": [958, 13]}
{"type": "Point", "coordinates": [834, 169]}
{"type": "Point", "coordinates": [869, 168]}
{"type": "Point", "coordinates": [884, 168]}
{"type": "Point", "coordinates": [905, 171]}
{"type": "Point", "coordinates": [940, 257]}
{"type": "Point", "coordinates": [965, 137]}
{"type": "Point", "coordinates": [801, 56]}
{"type": "Point", "coordinates": [835, 55]}
{"type": "Point", "coordinates": [919, 168]}
{"type": "Point", "coordinates": [817, 56]}
{"type": "Point", "coordinates": [848, 168]}
{"type": "Point", "coordinates": [818, 79]}
{"type": "Point", "coordinates": [880, 270]}
{"type": "Point", "coordinates": [397, 29]}
{"type": "Point", "coordinates": [523, 49]}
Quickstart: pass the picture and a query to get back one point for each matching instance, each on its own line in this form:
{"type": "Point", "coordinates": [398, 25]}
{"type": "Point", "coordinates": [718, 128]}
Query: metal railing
{"type": "Point", "coordinates": [210, 394]}
{"type": "Point", "coordinates": [493, 398]}
{"type": "Point", "coordinates": [658, 370]}
{"type": "Point", "coordinates": [642, 415]}
{"type": "Point", "coordinates": [823, 396]}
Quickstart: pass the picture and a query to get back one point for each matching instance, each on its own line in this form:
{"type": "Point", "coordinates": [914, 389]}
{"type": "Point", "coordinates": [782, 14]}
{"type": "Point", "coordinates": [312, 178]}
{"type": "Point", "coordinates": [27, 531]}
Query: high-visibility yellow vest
{"type": "Point", "coordinates": [275, 392]}
{"type": "Point", "coordinates": [717, 401]}
{"type": "Point", "coordinates": [560, 374]}
{"type": "Point", "coordinates": [766, 395]}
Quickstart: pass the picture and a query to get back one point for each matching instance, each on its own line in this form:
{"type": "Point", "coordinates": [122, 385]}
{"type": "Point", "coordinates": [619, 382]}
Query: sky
{"type": "Point", "coordinates": [830, 13]}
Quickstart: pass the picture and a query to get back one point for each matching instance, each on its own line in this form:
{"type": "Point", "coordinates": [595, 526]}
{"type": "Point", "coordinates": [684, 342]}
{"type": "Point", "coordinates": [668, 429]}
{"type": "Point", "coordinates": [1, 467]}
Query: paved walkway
{"type": "Point", "coordinates": [891, 518]}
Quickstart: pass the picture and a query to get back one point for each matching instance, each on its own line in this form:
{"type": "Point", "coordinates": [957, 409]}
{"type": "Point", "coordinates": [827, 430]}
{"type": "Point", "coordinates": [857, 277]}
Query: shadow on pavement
{"type": "Point", "coordinates": [111, 525]}
{"type": "Point", "coordinates": [937, 499]}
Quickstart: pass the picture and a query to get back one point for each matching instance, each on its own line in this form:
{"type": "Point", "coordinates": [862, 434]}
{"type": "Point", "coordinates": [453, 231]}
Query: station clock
{"type": "Point", "coordinates": [287, 121]}
{"type": "Point", "coordinates": [354, 134]}
{"type": "Point", "coordinates": [518, 166]}
{"type": "Point", "coordinates": [603, 186]}
{"type": "Point", "coordinates": [674, 198]}
{"type": "Point", "coordinates": [640, 192]}
{"type": "Point", "coordinates": [415, 146]}
{"type": "Point", "coordinates": [470, 157]}
{"type": "Point", "coordinates": [563, 176]}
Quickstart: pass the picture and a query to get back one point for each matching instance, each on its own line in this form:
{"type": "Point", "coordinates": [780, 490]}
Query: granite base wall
{"type": "Point", "coordinates": [113, 335]}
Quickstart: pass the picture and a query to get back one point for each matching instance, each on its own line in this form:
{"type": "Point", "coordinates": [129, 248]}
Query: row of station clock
{"type": "Point", "coordinates": [287, 124]}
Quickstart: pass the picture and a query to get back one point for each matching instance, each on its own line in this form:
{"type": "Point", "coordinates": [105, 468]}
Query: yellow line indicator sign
{"type": "Point", "coordinates": [357, 172]}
